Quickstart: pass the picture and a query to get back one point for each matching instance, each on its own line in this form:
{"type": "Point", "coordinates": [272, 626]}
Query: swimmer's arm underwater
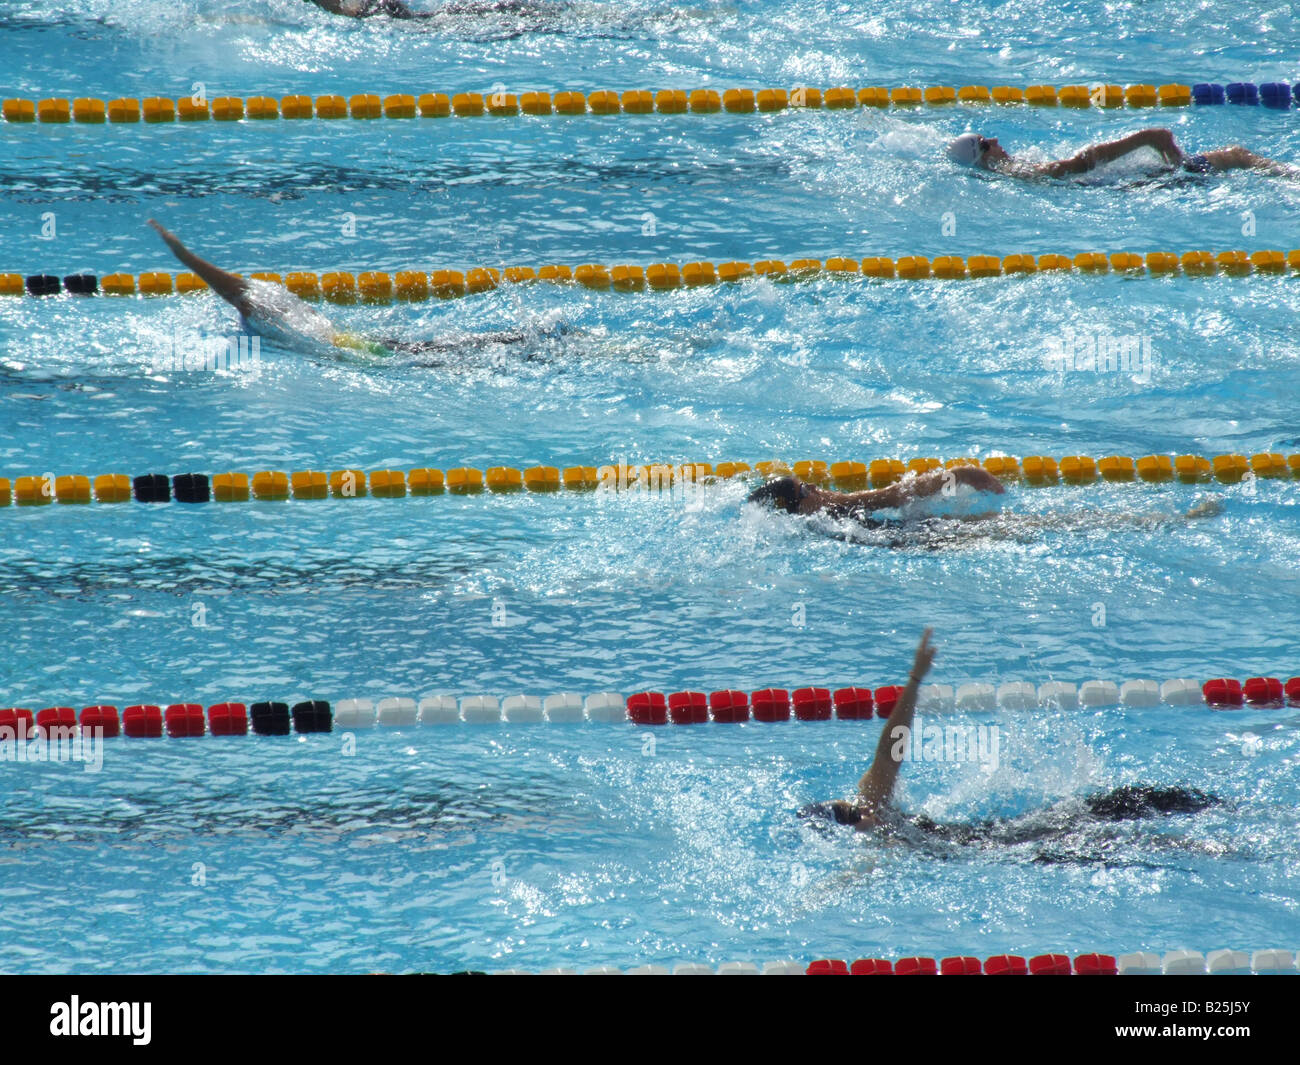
{"type": "Point", "coordinates": [876, 788]}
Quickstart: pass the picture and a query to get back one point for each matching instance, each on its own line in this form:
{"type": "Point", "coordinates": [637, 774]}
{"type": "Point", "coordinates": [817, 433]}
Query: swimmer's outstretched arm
{"type": "Point", "coordinates": [926, 484]}
{"type": "Point", "coordinates": [1095, 155]}
{"type": "Point", "coordinates": [1238, 158]}
{"type": "Point", "coordinates": [876, 788]}
{"type": "Point", "coordinates": [230, 287]}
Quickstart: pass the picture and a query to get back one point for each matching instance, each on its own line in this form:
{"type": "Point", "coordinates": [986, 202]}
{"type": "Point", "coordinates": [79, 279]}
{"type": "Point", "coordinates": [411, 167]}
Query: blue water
{"type": "Point", "coordinates": [582, 845]}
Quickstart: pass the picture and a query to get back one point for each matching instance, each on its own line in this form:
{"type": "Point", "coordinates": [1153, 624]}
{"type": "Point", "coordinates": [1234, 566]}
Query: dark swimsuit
{"type": "Point", "coordinates": [391, 8]}
{"type": "Point", "coordinates": [1129, 802]}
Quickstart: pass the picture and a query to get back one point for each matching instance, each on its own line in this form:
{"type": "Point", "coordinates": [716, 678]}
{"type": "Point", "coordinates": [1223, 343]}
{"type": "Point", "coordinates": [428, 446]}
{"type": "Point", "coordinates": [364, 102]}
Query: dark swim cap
{"type": "Point", "coordinates": [783, 493]}
{"type": "Point", "coordinates": [837, 813]}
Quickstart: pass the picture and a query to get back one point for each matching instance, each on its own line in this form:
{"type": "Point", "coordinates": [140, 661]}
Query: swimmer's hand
{"type": "Point", "coordinates": [1162, 141]}
{"type": "Point", "coordinates": [169, 238]}
{"type": "Point", "coordinates": [1208, 507]}
{"type": "Point", "coordinates": [925, 652]}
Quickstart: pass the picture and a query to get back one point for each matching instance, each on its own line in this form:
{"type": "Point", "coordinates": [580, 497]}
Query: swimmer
{"type": "Point", "coordinates": [397, 9]}
{"type": "Point", "coordinates": [272, 311]}
{"type": "Point", "coordinates": [793, 496]}
{"type": "Point", "coordinates": [985, 153]}
{"type": "Point", "coordinates": [873, 806]}
{"type": "Point", "coordinates": [799, 497]}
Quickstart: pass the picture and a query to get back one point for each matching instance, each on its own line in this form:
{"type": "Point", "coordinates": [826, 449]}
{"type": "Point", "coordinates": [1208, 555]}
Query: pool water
{"type": "Point", "coordinates": [535, 846]}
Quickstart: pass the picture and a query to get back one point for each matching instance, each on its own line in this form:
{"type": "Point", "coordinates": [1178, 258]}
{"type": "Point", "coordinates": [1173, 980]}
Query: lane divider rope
{"type": "Point", "coordinates": [414, 286]}
{"type": "Point", "coordinates": [278, 485]}
{"type": "Point", "coordinates": [155, 110]}
{"type": "Point", "coordinates": [771, 705]}
{"type": "Point", "coordinates": [1222, 962]}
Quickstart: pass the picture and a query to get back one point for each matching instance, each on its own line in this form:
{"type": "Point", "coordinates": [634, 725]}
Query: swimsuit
{"type": "Point", "coordinates": [1127, 802]}
{"type": "Point", "coordinates": [391, 8]}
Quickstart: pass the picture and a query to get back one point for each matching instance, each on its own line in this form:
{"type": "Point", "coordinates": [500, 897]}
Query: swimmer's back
{"type": "Point", "coordinates": [276, 313]}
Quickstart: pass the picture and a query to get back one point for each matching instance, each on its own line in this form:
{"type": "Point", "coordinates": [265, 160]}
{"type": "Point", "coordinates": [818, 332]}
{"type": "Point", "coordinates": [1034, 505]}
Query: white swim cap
{"type": "Point", "coordinates": [966, 149]}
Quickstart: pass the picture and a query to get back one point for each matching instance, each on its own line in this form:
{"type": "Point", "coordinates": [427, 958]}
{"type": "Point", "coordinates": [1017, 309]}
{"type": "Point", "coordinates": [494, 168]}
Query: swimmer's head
{"type": "Point", "coordinates": [824, 814]}
{"type": "Point", "coordinates": [782, 494]}
{"type": "Point", "coordinates": [970, 149]}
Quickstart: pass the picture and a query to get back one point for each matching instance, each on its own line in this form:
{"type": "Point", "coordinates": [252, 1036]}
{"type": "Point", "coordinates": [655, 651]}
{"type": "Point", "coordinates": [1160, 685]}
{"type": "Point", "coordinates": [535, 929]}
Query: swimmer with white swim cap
{"type": "Point", "coordinates": [985, 153]}
{"type": "Point", "coordinates": [272, 311]}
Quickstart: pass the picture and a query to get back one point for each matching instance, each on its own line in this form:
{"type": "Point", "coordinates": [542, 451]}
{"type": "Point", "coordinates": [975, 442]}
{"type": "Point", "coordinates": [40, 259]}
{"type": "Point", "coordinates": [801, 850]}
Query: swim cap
{"type": "Point", "coordinates": [783, 493]}
{"type": "Point", "coordinates": [836, 812]}
{"type": "Point", "coordinates": [966, 149]}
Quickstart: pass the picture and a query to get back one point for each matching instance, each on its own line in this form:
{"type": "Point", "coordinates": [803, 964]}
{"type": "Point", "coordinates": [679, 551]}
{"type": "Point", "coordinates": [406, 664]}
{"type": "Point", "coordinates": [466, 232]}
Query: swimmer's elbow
{"type": "Point", "coordinates": [1076, 164]}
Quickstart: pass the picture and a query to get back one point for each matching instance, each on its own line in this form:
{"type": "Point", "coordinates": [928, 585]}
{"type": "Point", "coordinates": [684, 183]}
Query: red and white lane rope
{"type": "Point", "coordinates": [272, 717]}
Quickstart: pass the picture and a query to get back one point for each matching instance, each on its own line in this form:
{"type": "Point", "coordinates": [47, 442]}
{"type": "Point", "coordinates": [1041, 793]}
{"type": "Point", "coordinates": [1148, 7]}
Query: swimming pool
{"type": "Point", "coordinates": [509, 846]}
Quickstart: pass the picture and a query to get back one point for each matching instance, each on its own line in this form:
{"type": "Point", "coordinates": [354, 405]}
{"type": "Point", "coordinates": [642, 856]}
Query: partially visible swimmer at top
{"type": "Point", "coordinates": [985, 153]}
{"type": "Point", "coordinates": [272, 311]}
{"type": "Point", "coordinates": [398, 9]}
{"type": "Point", "coordinates": [366, 8]}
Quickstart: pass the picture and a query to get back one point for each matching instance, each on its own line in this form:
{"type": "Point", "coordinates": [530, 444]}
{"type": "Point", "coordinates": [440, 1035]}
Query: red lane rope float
{"type": "Point", "coordinates": [1172, 962]}
{"type": "Point", "coordinates": [647, 708]}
